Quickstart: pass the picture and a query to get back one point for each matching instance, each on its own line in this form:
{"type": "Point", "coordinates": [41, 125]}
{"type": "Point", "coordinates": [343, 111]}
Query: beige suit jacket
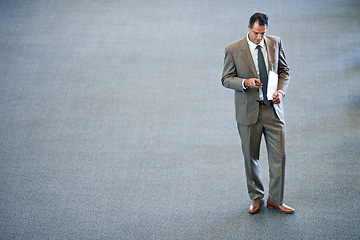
{"type": "Point", "coordinates": [239, 65]}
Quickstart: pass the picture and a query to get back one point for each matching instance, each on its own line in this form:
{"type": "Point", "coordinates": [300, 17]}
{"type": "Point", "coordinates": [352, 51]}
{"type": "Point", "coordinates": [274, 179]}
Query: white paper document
{"type": "Point", "coordinates": [272, 84]}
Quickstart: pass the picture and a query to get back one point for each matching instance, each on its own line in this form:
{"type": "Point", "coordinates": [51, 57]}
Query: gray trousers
{"type": "Point", "coordinates": [273, 130]}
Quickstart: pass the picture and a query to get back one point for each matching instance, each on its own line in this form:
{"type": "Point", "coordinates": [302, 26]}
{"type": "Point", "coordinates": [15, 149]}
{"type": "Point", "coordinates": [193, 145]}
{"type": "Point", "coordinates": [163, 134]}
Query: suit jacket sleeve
{"type": "Point", "coordinates": [283, 70]}
{"type": "Point", "coordinates": [229, 77]}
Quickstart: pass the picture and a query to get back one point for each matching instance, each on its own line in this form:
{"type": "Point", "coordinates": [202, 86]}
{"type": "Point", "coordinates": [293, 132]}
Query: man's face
{"type": "Point", "coordinates": [256, 33]}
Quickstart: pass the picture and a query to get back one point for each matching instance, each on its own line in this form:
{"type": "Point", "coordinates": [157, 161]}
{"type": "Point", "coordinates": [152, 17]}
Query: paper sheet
{"type": "Point", "coordinates": [272, 84]}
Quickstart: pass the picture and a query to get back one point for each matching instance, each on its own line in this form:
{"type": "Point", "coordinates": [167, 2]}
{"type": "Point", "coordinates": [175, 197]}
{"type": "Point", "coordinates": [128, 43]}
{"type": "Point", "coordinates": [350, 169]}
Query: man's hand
{"type": "Point", "coordinates": [277, 97]}
{"type": "Point", "coordinates": [252, 83]}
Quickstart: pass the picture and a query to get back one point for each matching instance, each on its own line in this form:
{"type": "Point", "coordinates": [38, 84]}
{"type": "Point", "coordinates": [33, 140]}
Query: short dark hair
{"type": "Point", "coordinates": [259, 17]}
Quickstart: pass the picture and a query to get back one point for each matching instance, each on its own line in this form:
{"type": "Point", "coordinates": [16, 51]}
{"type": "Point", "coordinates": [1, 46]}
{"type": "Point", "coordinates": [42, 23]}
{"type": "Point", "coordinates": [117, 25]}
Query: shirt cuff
{"type": "Point", "coordinates": [243, 85]}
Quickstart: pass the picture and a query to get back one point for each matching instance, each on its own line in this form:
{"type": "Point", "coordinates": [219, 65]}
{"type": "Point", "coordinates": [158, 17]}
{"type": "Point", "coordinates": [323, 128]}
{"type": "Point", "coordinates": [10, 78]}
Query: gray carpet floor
{"type": "Point", "coordinates": [114, 123]}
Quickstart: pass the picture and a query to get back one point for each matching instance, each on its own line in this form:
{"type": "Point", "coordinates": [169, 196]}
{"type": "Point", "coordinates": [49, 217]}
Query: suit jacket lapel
{"type": "Point", "coordinates": [246, 55]}
{"type": "Point", "coordinates": [270, 53]}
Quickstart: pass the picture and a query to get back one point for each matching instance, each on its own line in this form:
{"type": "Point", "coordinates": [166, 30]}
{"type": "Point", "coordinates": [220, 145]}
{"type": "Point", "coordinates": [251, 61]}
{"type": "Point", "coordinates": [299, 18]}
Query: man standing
{"type": "Point", "coordinates": [247, 65]}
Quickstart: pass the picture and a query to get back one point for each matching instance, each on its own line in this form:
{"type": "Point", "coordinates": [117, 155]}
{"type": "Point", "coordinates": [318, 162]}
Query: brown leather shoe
{"type": "Point", "coordinates": [283, 208]}
{"type": "Point", "coordinates": [255, 207]}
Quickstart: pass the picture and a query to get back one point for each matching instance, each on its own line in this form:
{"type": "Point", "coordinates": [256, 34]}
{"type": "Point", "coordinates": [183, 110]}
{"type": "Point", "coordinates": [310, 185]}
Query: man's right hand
{"type": "Point", "coordinates": [252, 83]}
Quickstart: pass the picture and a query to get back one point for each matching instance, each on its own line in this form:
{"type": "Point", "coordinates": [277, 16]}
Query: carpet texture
{"type": "Point", "coordinates": [114, 123]}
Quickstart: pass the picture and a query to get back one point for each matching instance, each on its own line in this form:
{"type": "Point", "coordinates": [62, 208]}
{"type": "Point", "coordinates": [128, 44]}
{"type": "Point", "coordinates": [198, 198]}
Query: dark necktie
{"type": "Point", "coordinates": [263, 74]}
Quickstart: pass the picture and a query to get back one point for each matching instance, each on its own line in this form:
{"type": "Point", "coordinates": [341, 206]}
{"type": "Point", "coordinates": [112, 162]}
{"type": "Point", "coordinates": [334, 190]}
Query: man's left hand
{"type": "Point", "coordinates": [277, 97]}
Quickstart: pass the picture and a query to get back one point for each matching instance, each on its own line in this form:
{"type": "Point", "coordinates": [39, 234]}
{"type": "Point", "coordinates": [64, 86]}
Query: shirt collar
{"type": "Point", "coordinates": [252, 45]}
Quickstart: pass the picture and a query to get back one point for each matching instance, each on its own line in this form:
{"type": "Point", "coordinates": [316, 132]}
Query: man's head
{"type": "Point", "coordinates": [257, 27]}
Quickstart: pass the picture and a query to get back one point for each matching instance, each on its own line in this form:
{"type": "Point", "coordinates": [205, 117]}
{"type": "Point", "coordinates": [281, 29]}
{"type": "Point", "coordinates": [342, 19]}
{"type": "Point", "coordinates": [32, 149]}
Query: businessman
{"type": "Point", "coordinates": [247, 65]}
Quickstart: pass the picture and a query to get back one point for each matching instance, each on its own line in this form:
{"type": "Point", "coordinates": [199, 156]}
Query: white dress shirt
{"type": "Point", "coordinates": [254, 54]}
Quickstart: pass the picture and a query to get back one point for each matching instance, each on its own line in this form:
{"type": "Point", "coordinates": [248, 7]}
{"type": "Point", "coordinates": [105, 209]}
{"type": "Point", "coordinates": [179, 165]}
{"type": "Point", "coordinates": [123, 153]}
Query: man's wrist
{"type": "Point", "coordinates": [243, 84]}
